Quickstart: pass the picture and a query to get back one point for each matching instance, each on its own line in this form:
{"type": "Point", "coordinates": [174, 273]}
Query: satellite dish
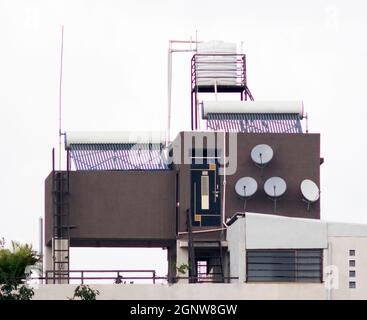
{"type": "Point", "coordinates": [246, 187]}
{"type": "Point", "coordinates": [262, 154]}
{"type": "Point", "coordinates": [310, 191]}
{"type": "Point", "coordinates": [275, 187]}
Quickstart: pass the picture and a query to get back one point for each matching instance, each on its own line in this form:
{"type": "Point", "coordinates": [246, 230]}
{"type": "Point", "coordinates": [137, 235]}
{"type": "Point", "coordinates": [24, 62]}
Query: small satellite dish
{"type": "Point", "coordinates": [310, 192]}
{"type": "Point", "coordinates": [262, 154]}
{"type": "Point", "coordinates": [275, 187]}
{"type": "Point", "coordinates": [246, 187]}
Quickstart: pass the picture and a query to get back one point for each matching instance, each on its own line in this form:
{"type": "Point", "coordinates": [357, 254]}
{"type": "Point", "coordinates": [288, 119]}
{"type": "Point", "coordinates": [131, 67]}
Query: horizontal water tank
{"type": "Point", "coordinates": [293, 107]}
{"type": "Point", "coordinates": [110, 137]}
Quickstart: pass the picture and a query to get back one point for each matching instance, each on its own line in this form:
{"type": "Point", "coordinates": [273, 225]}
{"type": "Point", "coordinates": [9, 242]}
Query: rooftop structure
{"type": "Point", "coordinates": [236, 202]}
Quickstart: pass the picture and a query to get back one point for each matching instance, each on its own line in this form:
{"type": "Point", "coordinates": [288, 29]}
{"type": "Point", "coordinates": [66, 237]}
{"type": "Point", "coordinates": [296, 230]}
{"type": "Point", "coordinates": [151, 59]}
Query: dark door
{"type": "Point", "coordinates": [205, 197]}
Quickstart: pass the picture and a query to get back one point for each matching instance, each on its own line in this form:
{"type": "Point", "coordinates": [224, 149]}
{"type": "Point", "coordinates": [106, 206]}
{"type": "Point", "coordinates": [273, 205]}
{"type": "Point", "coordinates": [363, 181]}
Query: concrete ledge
{"type": "Point", "coordinates": [189, 291]}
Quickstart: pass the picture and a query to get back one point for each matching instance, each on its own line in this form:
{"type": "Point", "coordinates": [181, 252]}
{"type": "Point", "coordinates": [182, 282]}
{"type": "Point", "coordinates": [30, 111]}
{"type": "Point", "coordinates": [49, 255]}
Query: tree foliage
{"type": "Point", "coordinates": [84, 292]}
{"type": "Point", "coordinates": [13, 263]}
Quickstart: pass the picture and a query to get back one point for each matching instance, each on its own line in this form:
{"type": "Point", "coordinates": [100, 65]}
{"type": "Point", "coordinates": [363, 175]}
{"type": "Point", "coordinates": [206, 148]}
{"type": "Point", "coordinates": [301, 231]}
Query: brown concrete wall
{"type": "Point", "coordinates": [296, 157]}
{"type": "Point", "coordinates": [135, 208]}
{"type": "Point", "coordinates": [119, 208]}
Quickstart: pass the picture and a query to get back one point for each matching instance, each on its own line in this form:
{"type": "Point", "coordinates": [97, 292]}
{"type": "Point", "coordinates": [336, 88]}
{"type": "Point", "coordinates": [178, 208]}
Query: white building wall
{"type": "Point", "coordinates": [260, 231]}
{"type": "Point", "coordinates": [48, 261]}
{"type": "Point", "coordinates": [237, 250]}
{"type": "Point", "coordinates": [182, 258]}
{"type": "Point", "coordinates": [274, 232]}
{"type": "Point", "coordinates": [255, 231]}
{"type": "Point", "coordinates": [340, 247]}
{"type": "Point", "coordinates": [188, 291]}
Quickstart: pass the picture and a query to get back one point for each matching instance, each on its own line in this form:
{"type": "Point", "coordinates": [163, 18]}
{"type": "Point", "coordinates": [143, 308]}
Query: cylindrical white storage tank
{"type": "Point", "coordinates": [294, 107]}
{"type": "Point", "coordinates": [216, 63]}
{"type": "Point", "coordinates": [92, 137]}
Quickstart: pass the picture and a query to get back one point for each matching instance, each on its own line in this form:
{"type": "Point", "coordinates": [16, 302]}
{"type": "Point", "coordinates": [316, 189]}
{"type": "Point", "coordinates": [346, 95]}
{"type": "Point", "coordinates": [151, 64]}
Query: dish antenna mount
{"type": "Point", "coordinates": [275, 187]}
{"type": "Point", "coordinates": [310, 192]}
{"type": "Point", "coordinates": [246, 187]}
{"type": "Point", "coordinates": [261, 155]}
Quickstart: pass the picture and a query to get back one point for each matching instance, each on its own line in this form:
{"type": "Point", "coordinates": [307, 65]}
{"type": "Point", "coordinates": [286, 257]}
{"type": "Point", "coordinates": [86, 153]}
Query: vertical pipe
{"type": "Point", "coordinates": [195, 108]}
{"type": "Point", "coordinates": [60, 91]}
{"type": "Point", "coordinates": [192, 108]}
{"type": "Point", "coordinates": [68, 160]}
{"type": "Point", "coordinates": [192, 81]}
{"type": "Point", "coordinates": [53, 159]}
{"type": "Point", "coordinates": [68, 168]}
{"type": "Point", "coordinates": [224, 180]}
{"type": "Point", "coordinates": [169, 93]}
{"type": "Point", "coordinates": [40, 248]}
{"type": "Point", "coordinates": [330, 263]}
{"type": "Point", "coordinates": [177, 202]}
{"type": "Point", "coordinates": [306, 122]}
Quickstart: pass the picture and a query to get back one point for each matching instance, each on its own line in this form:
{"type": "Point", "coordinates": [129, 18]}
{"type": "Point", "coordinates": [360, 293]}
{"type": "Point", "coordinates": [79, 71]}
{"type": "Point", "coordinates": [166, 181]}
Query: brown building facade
{"type": "Point", "coordinates": [150, 208]}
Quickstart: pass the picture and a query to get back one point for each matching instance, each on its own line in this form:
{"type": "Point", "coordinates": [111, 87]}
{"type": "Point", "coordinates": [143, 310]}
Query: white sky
{"type": "Point", "coordinates": [115, 66]}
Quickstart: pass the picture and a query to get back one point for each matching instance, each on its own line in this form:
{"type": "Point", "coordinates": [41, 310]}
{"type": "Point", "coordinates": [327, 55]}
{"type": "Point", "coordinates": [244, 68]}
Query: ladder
{"type": "Point", "coordinates": [209, 251]}
{"type": "Point", "coordinates": [212, 255]}
{"type": "Point", "coordinates": [61, 227]}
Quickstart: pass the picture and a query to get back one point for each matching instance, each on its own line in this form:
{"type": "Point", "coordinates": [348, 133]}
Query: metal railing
{"type": "Point", "coordinates": [119, 277]}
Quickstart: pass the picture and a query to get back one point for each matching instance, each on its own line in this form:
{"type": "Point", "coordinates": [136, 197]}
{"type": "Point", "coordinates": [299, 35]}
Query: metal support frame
{"type": "Point", "coordinates": [172, 50]}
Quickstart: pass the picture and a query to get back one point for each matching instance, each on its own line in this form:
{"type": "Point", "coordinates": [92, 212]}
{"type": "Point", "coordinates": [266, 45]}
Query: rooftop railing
{"type": "Point", "coordinates": [119, 277]}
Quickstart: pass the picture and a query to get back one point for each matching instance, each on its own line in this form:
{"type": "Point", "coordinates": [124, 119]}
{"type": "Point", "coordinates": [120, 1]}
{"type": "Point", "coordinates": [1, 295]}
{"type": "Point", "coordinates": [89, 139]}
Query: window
{"type": "Point", "coordinates": [202, 269]}
{"type": "Point", "coordinates": [352, 253]}
{"type": "Point", "coordinates": [284, 265]}
{"type": "Point", "coordinates": [352, 273]}
{"type": "Point", "coordinates": [352, 263]}
{"type": "Point", "coordinates": [352, 284]}
{"type": "Point", "coordinates": [205, 191]}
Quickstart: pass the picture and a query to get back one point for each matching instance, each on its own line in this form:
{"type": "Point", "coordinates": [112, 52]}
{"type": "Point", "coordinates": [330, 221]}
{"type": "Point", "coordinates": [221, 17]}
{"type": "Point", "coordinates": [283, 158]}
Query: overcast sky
{"type": "Point", "coordinates": [115, 78]}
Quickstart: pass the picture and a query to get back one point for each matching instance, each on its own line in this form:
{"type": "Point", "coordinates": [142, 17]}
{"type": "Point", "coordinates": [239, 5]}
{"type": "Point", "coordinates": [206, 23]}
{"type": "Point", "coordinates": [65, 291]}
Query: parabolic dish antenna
{"type": "Point", "coordinates": [262, 154]}
{"type": "Point", "coordinates": [246, 187]}
{"type": "Point", "coordinates": [310, 190]}
{"type": "Point", "coordinates": [275, 187]}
